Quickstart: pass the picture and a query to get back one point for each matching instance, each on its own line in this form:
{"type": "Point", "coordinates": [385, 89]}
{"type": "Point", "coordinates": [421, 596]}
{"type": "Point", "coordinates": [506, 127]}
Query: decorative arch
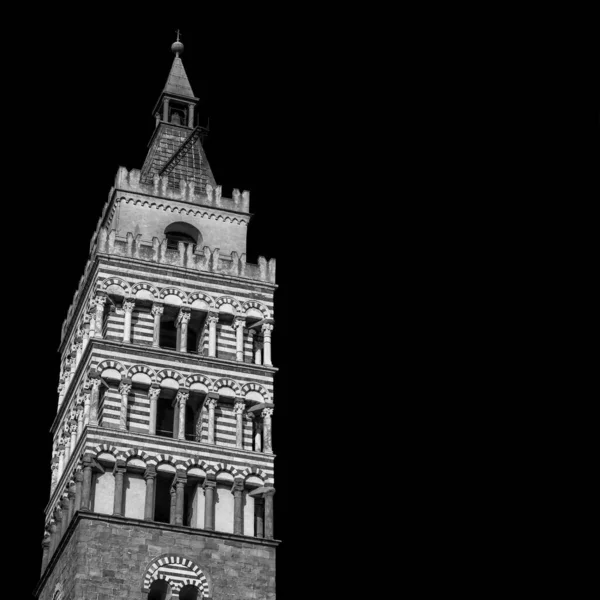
{"type": "Point", "coordinates": [173, 291]}
{"type": "Point", "coordinates": [142, 369]}
{"type": "Point", "coordinates": [250, 304]}
{"type": "Point", "coordinates": [137, 453]}
{"type": "Point", "coordinates": [220, 467]}
{"type": "Point", "coordinates": [177, 571]}
{"type": "Point", "coordinates": [202, 297]}
{"type": "Point", "coordinates": [170, 374]}
{"type": "Point", "coordinates": [254, 471]}
{"type": "Point", "coordinates": [248, 388]}
{"type": "Point", "coordinates": [198, 379]}
{"type": "Point", "coordinates": [192, 463]}
{"type": "Point", "coordinates": [110, 364]}
{"type": "Point", "coordinates": [226, 382]}
{"type": "Point", "coordinates": [228, 300]}
{"type": "Point", "coordinates": [144, 289]}
{"type": "Point", "coordinates": [105, 448]}
{"type": "Point", "coordinates": [109, 281]}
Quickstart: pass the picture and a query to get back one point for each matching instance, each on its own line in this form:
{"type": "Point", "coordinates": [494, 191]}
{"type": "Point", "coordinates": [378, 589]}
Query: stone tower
{"type": "Point", "coordinates": [162, 463]}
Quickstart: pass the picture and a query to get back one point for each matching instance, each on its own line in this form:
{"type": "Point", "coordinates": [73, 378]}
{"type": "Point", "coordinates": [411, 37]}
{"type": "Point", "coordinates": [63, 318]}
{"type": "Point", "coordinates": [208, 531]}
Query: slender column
{"type": "Point", "coordinates": [78, 489]}
{"type": "Point", "coordinates": [79, 414]}
{"type": "Point", "coordinates": [238, 409]}
{"type": "Point", "coordinates": [45, 550]}
{"type": "Point", "coordinates": [257, 348]}
{"type": "Point", "coordinates": [179, 491]}
{"type": "Point", "coordinates": [173, 503]}
{"type": "Point", "coordinates": [99, 303]}
{"type": "Point", "coordinates": [61, 392]}
{"type": "Point", "coordinates": [67, 446]}
{"type": "Point", "coordinates": [128, 306]}
{"type": "Point", "coordinates": [157, 311]}
{"type": "Point", "coordinates": [259, 509]}
{"type": "Point", "coordinates": [124, 389]}
{"type": "Point", "coordinates": [182, 397]}
{"type": "Point", "coordinates": [213, 319]}
{"type": "Point", "coordinates": [53, 535]}
{"type": "Point", "coordinates": [267, 328]}
{"type": "Point", "coordinates": [166, 110]}
{"type": "Point", "coordinates": [269, 513]}
{"type": "Point", "coordinates": [191, 116]}
{"type": "Point", "coordinates": [61, 457]}
{"type": "Point", "coordinates": [73, 433]}
{"type": "Point", "coordinates": [119, 473]}
{"type": "Point", "coordinates": [211, 403]}
{"type": "Point", "coordinates": [85, 332]}
{"type": "Point", "coordinates": [183, 318]}
{"type": "Point", "coordinates": [87, 483]}
{"type": "Point", "coordinates": [78, 349]}
{"type": "Point", "coordinates": [150, 477]}
{"type": "Point", "coordinates": [175, 406]}
{"type": "Point", "coordinates": [153, 394]}
{"type": "Point", "coordinates": [64, 504]}
{"type": "Point", "coordinates": [266, 414]}
{"type": "Point", "coordinates": [238, 324]}
{"type": "Point", "coordinates": [86, 408]}
{"type": "Point", "coordinates": [238, 506]}
{"type": "Point", "coordinates": [257, 435]}
{"type": "Point", "coordinates": [71, 496]}
{"type": "Point", "coordinates": [209, 486]}
{"type": "Point", "coordinates": [92, 315]}
{"type": "Point", "coordinates": [54, 469]}
{"type": "Point", "coordinates": [95, 394]}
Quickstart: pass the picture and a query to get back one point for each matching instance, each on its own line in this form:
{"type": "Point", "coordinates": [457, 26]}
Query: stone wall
{"type": "Point", "coordinates": [106, 558]}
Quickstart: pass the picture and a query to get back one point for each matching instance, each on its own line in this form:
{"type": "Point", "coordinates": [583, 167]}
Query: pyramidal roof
{"type": "Point", "coordinates": [178, 83]}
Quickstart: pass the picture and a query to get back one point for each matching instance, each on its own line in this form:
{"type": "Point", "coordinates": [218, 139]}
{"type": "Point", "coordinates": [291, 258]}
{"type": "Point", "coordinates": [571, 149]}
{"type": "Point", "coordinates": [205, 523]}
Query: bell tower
{"type": "Point", "coordinates": [162, 459]}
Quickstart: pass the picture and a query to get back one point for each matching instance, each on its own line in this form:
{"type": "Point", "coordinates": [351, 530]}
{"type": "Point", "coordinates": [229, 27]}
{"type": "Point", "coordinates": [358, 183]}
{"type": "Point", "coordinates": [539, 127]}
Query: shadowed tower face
{"type": "Point", "coordinates": [162, 459]}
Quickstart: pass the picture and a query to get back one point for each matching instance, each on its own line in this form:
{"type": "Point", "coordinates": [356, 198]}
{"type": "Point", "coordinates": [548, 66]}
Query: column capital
{"type": "Point", "coordinates": [183, 394]}
{"type": "Point", "coordinates": [129, 304]}
{"type": "Point", "coordinates": [64, 502]}
{"type": "Point", "coordinates": [125, 386]}
{"type": "Point", "coordinates": [238, 486]}
{"type": "Point", "coordinates": [120, 466]}
{"type": "Point", "coordinates": [238, 321]}
{"type": "Point", "coordinates": [211, 401]}
{"type": "Point", "coordinates": [209, 483]}
{"type": "Point", "coordinates": [100, 299]}
{"type": "Point", "coordinates": [267, 328]}
{"type": "Point", "coordinates": [46, 539]}
{"type": "Point", "coordinates": [266, 412]}
{"type": "Point", "coordinates": [57, 514]}
{"type": "Point", "coordinates": [157, 308]}
{"type": "Point", "coordinates": [154, 391]}
{"type": "Point", "coordinates": [212, 317]}
{"type": "Point", "coordinates": [150, 472]}
{"type": "Point", "coordinates": [78, 476]}
{"type": "Point", "coordinates": [183, 316]}
{"type": "Point", "coordinates": [238, 406]}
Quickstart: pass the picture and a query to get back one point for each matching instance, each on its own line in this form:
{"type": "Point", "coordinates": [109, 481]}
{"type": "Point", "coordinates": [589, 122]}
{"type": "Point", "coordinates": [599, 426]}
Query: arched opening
{"type": "Point", "coordinates": [168, 331]}
{"type": "Point", "coordinates": [162, 499]}
{"type": "Point", "coordinates": [159, 590]}
{"type": "Point", "coordinates": [189, 592]}
{"type": "Point", "coordinates": [165, 413]}
{"type": "Point", "coordinates": [182, 232]}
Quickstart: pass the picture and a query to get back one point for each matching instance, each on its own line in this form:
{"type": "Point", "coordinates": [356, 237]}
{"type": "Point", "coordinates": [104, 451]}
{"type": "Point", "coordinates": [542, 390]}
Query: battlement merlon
{"type": "Point", "coordinates": [130, 181]}
{"type": "Point", "coordinates": [207, 260]}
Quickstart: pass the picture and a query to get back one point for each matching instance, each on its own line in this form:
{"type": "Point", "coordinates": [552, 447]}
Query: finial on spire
{"type": "Point", "coordinates": [177, 46]}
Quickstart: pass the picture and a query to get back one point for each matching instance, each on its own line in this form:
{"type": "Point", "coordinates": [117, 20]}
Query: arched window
{"type": "Point", "coordinates": [188, 592]}
{"type": "Point", "coordinates": [182, 232]}
{"type": "Point", "coordinates": [159, 590]}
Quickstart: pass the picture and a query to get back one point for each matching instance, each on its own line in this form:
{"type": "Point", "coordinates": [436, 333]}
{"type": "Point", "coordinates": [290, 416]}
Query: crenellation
{"type": "Point", "coordinates": [129, 181]}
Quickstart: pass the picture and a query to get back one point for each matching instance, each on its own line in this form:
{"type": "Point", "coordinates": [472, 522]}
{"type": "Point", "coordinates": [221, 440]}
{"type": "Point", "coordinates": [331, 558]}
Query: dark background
{"type": "Point", "coordinates": [282, 125]}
